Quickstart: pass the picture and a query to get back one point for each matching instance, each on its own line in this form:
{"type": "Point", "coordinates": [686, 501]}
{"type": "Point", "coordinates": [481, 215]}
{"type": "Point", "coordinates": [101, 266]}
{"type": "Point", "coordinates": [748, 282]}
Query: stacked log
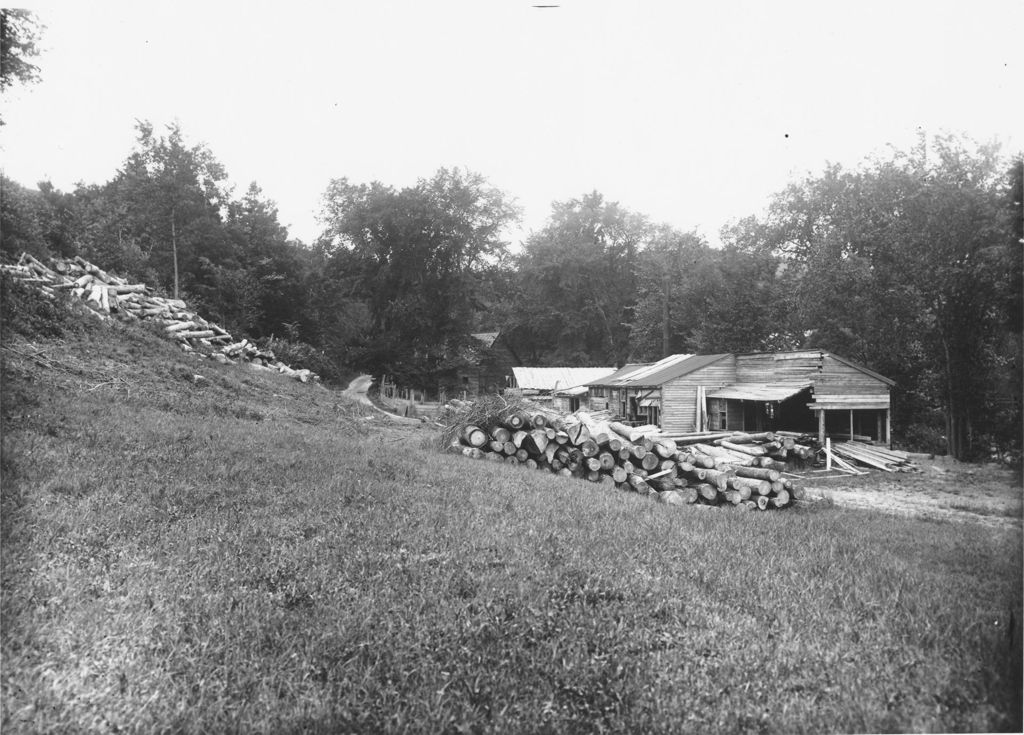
{"type": "Point", "coordinates": [631, 459]}
{"type": "Point", "coordinates": [110, 296]}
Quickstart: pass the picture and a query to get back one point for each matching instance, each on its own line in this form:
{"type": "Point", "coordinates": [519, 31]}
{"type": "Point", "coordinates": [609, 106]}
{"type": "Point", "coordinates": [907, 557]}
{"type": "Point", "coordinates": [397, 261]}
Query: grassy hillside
{"type": "Point", "coordinates": [246, 553]}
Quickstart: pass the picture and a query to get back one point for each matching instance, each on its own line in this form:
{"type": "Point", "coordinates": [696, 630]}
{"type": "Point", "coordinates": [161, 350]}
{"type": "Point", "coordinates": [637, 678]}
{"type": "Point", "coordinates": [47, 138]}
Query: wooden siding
{"type": "Point", "coordinates": [839, 379]}
{"type": "Point", "coordinates": [679, 396]}
{"type": "Point", "coordinates": [781, 368]}
{"type": "Point", "coordinates": [830, 377]}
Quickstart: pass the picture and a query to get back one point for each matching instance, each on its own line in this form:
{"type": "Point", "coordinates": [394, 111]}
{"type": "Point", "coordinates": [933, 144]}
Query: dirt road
{"type": "Point", "coordinates": [944, 490]}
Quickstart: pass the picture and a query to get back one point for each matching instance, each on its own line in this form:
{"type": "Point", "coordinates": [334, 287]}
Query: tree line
{"type": "Point", "coordinates": [909, 264]}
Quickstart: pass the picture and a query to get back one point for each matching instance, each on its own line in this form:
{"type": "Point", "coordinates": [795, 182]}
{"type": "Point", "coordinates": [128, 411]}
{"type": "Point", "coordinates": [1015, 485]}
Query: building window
{"type": "Point", "coordinates": [717, 414]}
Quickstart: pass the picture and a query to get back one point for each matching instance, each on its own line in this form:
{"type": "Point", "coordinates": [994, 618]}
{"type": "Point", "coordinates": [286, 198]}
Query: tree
{"type": "Point", "coordinates": [171, 196]}
{"type": "Point", "coordinates": [903, 265]}
{"type": "Point", "coordinates": [270, 271]}
{"type": "Point", "coordinates": [668, 272]}
{"type": "Point", "coordinates": [417, 254]}
{"type": "Point", "coordinates": [21, 220]}
{"type": "Point", "coordinates": [577, 285]}
{"type": "Point", "coordinates": [19, 34]}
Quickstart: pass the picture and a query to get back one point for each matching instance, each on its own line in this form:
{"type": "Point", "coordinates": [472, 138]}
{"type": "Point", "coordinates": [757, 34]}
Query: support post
{"type": "Point", "coordinates": [851, 424]}
{"type": "Point", "coordinates": [821, 426]}
{"type": "Point", "coordinates": [888, 427]}
{"type": "Point", "coordinates": [828, 454]}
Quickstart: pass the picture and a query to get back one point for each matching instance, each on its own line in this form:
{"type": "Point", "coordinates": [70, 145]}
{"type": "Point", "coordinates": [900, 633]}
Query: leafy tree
{"type": "Point", "coordinates": [170, 196]}
{"type": "Point", "coordinates": [274, 268]}
{"type": "Point", "coordinates": [417, 255]}
{"type": "Point", "coordinates": [19, 36]}
{"type": "Point", "coordinates": [668, 272]}
{"type": "Point", "coordinates": [902, 264]}
{"type": "Point", "coordinates": [577, 285]}
{"type": "Point", "coordinates": [21, 220]}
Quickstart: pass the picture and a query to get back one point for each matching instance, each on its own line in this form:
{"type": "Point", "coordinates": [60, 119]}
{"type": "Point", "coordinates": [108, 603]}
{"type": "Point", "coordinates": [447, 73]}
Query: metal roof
{"type": "Point", "coordinates": [557, 378]}
{"type": "Point", "coordinates": [621, 372]}
{"type": "Point", "coordinates": [759, 391]}
{"type": "Point", "coordinates": [655, 374]}
{"type": "Point", "coordinates": [576, 390]}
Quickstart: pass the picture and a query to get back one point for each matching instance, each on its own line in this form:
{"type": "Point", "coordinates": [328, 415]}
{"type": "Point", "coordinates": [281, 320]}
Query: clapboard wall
{"type": "Point", "coordinates": [679, 395]}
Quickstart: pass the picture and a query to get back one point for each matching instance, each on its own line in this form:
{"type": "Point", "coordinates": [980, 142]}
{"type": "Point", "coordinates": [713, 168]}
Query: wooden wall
{"type": "Point", "coordinates": [839, 379]}
{"type": "Point", "coordinates": [783, 367]}
{"type": "Point", "coordinates": [679, 396]}
{"type": "Point", "coordinates": [831, 377]}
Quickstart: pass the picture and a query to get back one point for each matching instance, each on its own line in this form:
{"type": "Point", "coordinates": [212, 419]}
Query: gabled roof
{"type": "Point", "coordinates": [487, 338]}
{"type": "Point", "coordinates": [655, 374]}
{"type": "Point", "coordinates": [861, 368]}
{"type": "Point", "coordinates": [552, 378]}
{"type": "Point", "coordinates": [789, 354]}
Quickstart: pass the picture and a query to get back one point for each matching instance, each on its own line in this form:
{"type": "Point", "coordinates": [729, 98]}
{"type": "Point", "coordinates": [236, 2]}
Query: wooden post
{"type": "Point", "coordinates": [821, 426]}
{"type": "Point", "coordinates": [878, 425]}
{"type": "Point", "coordinates": [888, 427]}
{"type": "Point", "coordinates": [828, 454]}
{"type": "Point", "coordinates": [851, 424]}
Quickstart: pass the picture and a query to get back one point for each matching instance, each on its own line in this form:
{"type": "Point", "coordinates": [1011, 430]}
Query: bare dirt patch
{"type": "Point", "coordinates": [944, 489]}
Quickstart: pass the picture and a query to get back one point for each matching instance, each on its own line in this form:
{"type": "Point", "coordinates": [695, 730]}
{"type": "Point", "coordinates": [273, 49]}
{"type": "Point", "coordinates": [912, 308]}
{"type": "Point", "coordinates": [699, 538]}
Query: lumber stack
{"type": "Point", "coordinates": [879, 458]}
{"type": "Point", "coordinates": [735, 470]}
{"type": "Point", "coordinates": [110, 296]}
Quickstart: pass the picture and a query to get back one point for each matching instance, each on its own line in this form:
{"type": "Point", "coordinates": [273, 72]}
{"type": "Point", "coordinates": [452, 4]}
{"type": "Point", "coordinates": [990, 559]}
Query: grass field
{"type": "Point", "coordinates": [249, 554]}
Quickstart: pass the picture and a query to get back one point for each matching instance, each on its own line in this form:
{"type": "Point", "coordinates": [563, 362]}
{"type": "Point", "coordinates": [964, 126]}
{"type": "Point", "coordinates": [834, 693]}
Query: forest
{"type": "Point", "coordinates": [909, 264]}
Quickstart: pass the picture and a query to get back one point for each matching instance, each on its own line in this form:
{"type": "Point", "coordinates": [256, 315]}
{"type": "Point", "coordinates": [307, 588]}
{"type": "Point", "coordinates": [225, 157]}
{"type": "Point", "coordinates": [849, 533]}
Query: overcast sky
{"type": "Point", "coordinates": [692, 113]}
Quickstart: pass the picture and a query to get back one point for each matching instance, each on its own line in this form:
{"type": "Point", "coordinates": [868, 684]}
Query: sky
{"type": "Point", "coordinates": [692, 113]}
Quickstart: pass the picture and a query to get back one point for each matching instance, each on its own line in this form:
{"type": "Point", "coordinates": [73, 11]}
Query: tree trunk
{"type": "Point", "coordinates": [174, 248]}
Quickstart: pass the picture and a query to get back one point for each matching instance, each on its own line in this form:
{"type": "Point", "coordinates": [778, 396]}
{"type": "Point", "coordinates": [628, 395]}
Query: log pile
{"type": "Point", "coordinates": [734, 470]}
{"type": "Point", "coordinates": [109, 296]}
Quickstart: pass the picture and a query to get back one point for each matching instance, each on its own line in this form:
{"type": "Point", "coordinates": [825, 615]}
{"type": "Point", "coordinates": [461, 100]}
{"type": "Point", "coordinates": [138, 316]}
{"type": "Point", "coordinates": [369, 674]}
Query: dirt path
{"type": "Point", "coordinates": [357, 390]}
{"type": "Point", "coordinates": [943, 490]}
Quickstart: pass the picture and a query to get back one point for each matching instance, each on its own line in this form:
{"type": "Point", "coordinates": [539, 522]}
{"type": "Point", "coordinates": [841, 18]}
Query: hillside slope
{"type": "Point", "coordinates": [240, 552]}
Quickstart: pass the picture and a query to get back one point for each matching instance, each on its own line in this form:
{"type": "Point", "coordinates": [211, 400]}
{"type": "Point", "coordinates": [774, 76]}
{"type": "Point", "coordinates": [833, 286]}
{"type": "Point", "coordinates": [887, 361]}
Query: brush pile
{"type": "Point", "coordinates": [729, 469]}
{"type": "Point", "coordinates": [109, 296]}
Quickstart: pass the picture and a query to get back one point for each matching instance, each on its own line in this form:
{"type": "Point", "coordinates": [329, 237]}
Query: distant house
{"type": "Point", "coordinates": [488, 368]}
{"type": "Point", "coordinates": [563, 386]}
{"type": "Point", "coordinates": [809, 390]}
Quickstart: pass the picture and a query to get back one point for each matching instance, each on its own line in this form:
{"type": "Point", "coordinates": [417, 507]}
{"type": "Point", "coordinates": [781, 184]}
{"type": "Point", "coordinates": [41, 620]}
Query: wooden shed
{"type": "Point", "coordinates": [563, 386]}
{"type": "Point", "coordinates": [664, 393]}
{"type": "Point", "coordinates": [487, 367]}
{"type": "Point", "coordinates": [808, 390]}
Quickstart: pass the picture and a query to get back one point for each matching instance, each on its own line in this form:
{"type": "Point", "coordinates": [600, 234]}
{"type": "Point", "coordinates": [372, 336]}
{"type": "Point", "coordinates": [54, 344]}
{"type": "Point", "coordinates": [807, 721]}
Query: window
{"type": "Point", "coordinates": [717, 419]}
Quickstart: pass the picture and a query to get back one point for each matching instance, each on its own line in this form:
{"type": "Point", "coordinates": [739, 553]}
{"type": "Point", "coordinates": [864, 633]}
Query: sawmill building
{"type": "Point", "coordinates": [808, 390]}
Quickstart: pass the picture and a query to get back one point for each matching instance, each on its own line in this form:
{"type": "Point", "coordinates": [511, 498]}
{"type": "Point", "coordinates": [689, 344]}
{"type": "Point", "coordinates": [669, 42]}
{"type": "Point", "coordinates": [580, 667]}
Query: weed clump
{"type": "Point", "coordinates": [26, 312]}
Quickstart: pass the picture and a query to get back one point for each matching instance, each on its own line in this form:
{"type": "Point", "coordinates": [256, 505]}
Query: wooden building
{"type": "Point", "coordinates": [486, 369]}
{"type": "Point", "coordinates": [664, 392]}
{"type": "Point", "coordinates": [808, 390]}
{"type": "Point", "coordinates": [562, 386]}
